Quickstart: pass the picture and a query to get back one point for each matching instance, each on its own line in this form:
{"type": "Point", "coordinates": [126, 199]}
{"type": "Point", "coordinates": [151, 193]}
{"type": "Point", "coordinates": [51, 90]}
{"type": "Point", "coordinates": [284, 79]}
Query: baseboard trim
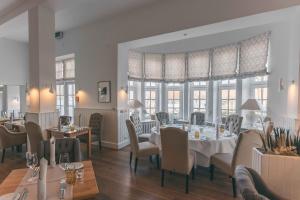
{"type": "Point", "coordinates": [113, 145]}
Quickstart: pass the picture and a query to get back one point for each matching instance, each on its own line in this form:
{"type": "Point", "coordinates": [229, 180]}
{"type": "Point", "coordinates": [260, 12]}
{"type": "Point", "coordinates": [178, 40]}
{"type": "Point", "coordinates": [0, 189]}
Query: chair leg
{"type": "Point", "coordinates": [130, 159]}
{"type": "Point", "coordinates": [157, 161]}
{"type": "Point", "coordinates": [233, 186]}
{"type": "Point", "coordinates": [100, 145]}
{"type": "Point", "coordinates": [162, 178]}
{"type": "Point", "coordinates": [193, 173]}
{"type": "Point", "coordinates": [187, 177]}
{"type": "Point", "coordinates": [3, 155]}
{"type": "Point", "coordinates": [135, 164]}
{"type": "Point", "coordinates": [211, 169]}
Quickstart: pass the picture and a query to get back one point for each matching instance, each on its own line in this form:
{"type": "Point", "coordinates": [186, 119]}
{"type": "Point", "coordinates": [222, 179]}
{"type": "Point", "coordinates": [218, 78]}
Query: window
{"type": "Point", "coordinates": [175, 100]}
{"type": "Point", "coordinates": [198, 96]}
{"type": "Point", "coordinates": [260, 91]}
{"type": "Point", "coordinates": [65, 86]}
{"type": "Point", "coordinates": [228, 97]}
{"type": "Point", "coordinates": [132, 90]}
{"type": "Point", "coordinates": [151, 97]}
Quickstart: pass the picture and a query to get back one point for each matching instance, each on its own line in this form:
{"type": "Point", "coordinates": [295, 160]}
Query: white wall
{"type": "Point", "coordinates": [14, 62]}
{"type": "Point", "coordinates": [96, 45]}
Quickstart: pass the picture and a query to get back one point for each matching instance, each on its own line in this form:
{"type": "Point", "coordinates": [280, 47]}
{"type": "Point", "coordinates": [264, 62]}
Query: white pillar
{"type": "Point", "coordinates": [42, 107]}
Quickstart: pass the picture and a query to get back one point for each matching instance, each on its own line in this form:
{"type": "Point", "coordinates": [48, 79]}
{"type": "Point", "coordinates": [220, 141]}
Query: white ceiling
{"type": "Point", "coordinates": [68, 14]}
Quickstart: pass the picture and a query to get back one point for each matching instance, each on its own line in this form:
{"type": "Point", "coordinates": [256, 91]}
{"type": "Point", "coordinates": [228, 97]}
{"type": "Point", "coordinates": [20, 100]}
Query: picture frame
{"type": "Point", "coordinates": [104, 91]}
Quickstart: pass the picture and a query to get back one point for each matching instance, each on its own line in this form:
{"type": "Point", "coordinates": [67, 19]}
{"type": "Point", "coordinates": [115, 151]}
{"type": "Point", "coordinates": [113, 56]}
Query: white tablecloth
{"type": "Point", "coordinates": [206, 146]}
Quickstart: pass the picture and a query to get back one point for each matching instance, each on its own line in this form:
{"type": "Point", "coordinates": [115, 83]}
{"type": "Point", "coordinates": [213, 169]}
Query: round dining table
{"type": "Point", "coordinates": [206, 145]}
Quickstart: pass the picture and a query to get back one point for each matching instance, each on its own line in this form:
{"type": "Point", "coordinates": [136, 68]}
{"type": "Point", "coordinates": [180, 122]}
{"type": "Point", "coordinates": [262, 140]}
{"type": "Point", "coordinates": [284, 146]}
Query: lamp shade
{"type": "Point", "coordinates": [135, 104]}
{"type": "Point", "coordinates": [251, 104]}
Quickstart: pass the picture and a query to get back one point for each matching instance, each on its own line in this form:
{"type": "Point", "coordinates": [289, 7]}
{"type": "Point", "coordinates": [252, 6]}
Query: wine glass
{"type": "Point", "coordinates": [32, 162]}
{"type": "Point", "coordinates": [64, 160]}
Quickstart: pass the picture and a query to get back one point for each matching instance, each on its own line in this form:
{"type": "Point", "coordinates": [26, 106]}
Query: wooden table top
{"type": "Point", "coordinates": [86, 190]}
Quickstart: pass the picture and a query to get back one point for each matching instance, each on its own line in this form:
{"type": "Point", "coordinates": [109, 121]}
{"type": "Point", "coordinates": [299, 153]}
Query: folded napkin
{"type": "Point", "coordinates": [42, 193]}
{"type": "Point", "coordinates": [52, 152]}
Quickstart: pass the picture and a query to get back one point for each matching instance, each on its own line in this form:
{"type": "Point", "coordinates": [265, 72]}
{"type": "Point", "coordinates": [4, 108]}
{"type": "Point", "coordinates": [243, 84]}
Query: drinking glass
{"type": "Point", "coordinates": [80, 174]}
{"type": "Point", "coordinates": [70, 174]}
{"type": "Point", "coordinates": [32, 162]}
{"type": "Point", "coordinates": [64, 160]}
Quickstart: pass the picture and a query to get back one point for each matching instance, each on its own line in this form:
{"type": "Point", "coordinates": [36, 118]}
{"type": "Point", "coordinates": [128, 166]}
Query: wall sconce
{"type": "Point", "coordinates": [77, 95]}
{"type": "Point", "coordinates": [125, 89]}
{"type": "Point", "coordinates": [51, 90]}
{"type": "Point", "coordinates": [293, 82]}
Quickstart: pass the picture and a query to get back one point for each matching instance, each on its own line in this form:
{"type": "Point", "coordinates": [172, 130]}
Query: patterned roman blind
{"type": "Point", "coordinates": [153, 67]}
{"type": "Point", "coordinates": [198, 65]}
{"type": "Point", "coordinates": [254, 55]}
{"type": "Point", "coordinates": [135, 65]}
{"type": "Point", "coordinates": [175, 67]}
{"type": "Point", "coordinates": [224, 62]}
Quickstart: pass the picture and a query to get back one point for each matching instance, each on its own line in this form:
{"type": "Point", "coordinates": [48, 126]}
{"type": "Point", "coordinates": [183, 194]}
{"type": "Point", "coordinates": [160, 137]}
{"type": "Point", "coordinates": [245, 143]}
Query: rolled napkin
{"type": "Point", "coordinates": [52, 152]}
{"type": "Point", "coordinates": [42, 192]}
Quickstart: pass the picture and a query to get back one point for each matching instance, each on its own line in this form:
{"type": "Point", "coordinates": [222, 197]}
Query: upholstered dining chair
{"type": "Point", "coordinates": [198, 118]}
{"type": "Point", "coordinates": [65, 120]}
{"type": "Point", "coordinates": [96, 125]}
{"type": "Point", "coordinates": [35, 136]}
{"type": "Point", "coordinates": [175, 154]}
{"type": "Point", "coordinates": [139, 128]}
{"type": "Point", "coordinates": [251, 185]}
{"type": "Point", "coordinates": [162, 117]}
{"type": "Point", "coordinates": [237, 122]}
{"type": "Point", "coordinates": [242, 155]}
{"type": "Point", "coordinates": [10, 139]}
{"type": "Point", "coordinates": [64, 145]}
{"type": "Point", "coordinates": [142, 149]}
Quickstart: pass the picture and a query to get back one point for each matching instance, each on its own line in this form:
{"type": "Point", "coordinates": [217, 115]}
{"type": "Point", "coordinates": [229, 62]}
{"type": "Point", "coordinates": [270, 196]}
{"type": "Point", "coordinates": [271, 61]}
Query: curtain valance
{"type": "Point", "coordinates": [242, 59]}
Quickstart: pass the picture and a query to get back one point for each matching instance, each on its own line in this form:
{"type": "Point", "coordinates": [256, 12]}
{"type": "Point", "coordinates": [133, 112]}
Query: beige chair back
{"type": "Point", "coordinates": [243, 152]}
{"type": "Point", "coordinates": [132, 136]}
{"type": "Point", "coordinates": [174, 147]}
{"type": "Point", "coordinates": [35, 136]}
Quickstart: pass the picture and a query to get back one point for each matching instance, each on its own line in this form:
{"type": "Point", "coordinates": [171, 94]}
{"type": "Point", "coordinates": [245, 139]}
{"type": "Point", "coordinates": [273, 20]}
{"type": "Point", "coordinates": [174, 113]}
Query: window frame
{"type": "Point", "coordinates": [157, 89]}
{"type": "Point", "coordinates": [263, 83]}
{"type": "Point", "coordinates": [180, 88]}
{"type": "Point", "coordinates": [66, 81]}
{"type": "Point", "coordinates": [192, 89]}
{"type": "Point", "coordinates": [230, 85]}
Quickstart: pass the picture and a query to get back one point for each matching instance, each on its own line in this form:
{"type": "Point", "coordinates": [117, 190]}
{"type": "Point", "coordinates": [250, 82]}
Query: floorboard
{"type": "Point", "coordinates": [117, 181]}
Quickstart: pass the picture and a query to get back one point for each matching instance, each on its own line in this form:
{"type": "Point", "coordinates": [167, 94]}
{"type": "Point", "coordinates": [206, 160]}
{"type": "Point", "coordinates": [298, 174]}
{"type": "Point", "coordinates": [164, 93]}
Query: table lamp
{"type": "Point", "coordinates": [251, 105]}
{"type": "Point", "coordinates": [135, 104]}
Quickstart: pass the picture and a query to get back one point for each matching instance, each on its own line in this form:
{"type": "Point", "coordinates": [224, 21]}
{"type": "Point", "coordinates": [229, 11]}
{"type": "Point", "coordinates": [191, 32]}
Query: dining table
{"type": "Point", "coordinates": [86, 189]}
{"type": "Point", "coordinates": [73, 133]}
{"type": "Point", "coordinates": [204, 146]}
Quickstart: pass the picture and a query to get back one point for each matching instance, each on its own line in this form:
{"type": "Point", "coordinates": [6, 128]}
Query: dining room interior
{"type": "Point", "coordinates": [149, 99]}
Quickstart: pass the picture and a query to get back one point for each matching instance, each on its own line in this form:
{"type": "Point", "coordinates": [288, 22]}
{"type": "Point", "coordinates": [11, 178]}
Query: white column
{"type": "Point", "coordinates": [42, 107]}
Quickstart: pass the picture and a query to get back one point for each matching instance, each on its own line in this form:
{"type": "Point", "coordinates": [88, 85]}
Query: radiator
{"type": "Point", "coordinates": [148, 125]}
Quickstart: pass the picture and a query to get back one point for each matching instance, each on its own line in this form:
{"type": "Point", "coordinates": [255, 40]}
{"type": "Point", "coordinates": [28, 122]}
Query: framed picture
{"type": "Point", "coordinates": [104, 91]}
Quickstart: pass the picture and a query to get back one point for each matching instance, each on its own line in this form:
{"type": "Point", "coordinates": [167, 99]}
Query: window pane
{"type": "Point", "coordinates": [152, 94]}
{"type": "Point", "coordinates": [196, 94]}
{"type": "Point", "coordinates": [196, 104]}
{"type": "Point", "coordinates": [203, 94]}
{"type": "Point", "coordinates": [59, 70]}
{"type": "Point", "coordinates": [224, 94]}
{"type": "Point", "coordinates": [231, 94]}
{"type": "Point", "coordinates": [224, 104]}
{"type": "Point", "coordinates": [176, 95]}
{"type": "Point", "coordinates": [170, 94]}
{"type": "Point", "coordinates": [70, 68]}
{"type": "Point", "coordinates": [232, 104]}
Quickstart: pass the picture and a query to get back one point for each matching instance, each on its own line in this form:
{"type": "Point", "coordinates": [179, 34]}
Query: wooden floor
{"type": "Point", "coordinates": [117, 181]}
